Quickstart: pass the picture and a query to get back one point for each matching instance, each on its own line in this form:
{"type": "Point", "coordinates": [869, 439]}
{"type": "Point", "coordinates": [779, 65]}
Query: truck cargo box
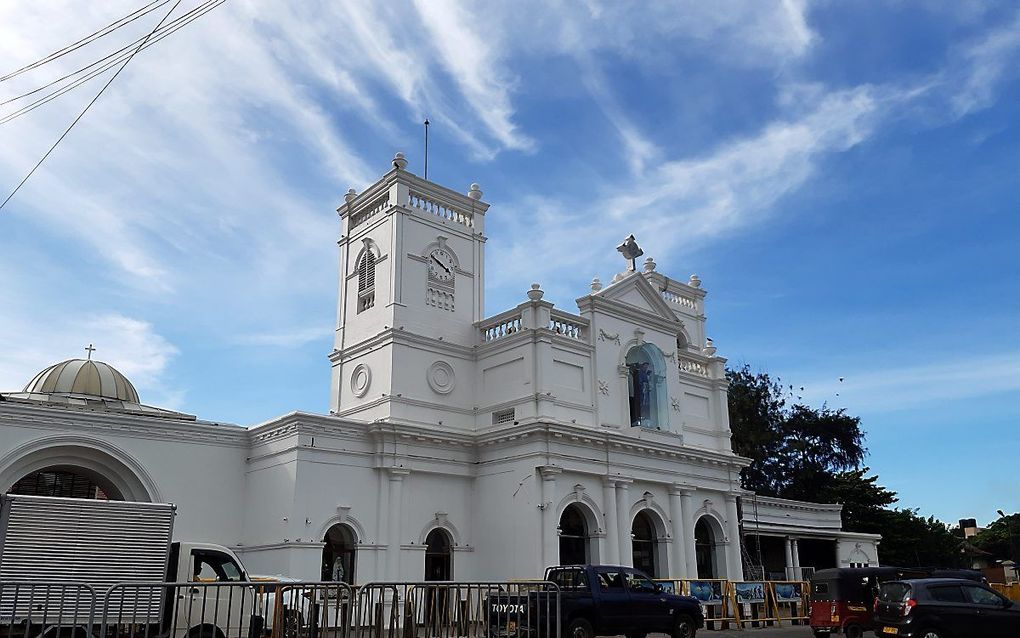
{"type": "Point", "coordinates": [99, 543]}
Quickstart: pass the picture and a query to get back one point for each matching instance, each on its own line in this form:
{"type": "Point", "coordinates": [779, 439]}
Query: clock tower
{"type": "Point", "coordinates": [411, 281]}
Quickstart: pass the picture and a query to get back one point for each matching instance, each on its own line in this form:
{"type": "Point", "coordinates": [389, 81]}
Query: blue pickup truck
{"type": "Point", "coordinates": [595, 600]}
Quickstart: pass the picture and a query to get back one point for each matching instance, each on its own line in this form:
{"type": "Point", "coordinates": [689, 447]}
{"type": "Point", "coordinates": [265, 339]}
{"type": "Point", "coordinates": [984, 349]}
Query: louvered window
{"type": "Point", "coordinates": [366, 281]}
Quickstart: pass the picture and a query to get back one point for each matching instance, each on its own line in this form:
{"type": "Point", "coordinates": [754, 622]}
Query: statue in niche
{"type": "Point", "coordinates": [640, 390]}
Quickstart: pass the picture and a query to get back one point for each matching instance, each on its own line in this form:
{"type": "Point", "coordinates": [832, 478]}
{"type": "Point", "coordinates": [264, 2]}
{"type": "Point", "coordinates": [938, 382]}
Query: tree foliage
{"type": "Point", "coordinates": [794, 450]}
{"type": "Point", "coordinates": [1000, 538]}
{"type": "Point", "coordinates": [816, 455]}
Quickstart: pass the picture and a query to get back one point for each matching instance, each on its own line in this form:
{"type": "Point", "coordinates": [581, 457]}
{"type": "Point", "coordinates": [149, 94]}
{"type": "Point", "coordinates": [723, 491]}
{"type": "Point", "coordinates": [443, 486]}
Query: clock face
{"type": "Point", "coordinates": [441, 265]}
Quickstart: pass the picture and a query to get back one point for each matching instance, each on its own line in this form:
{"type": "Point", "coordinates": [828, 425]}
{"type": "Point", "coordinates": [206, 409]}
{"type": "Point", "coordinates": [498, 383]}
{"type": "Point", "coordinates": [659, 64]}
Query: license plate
{"type": "Point", "coordinates": [890, 630]}
{"type": "Point", "coordinates": [511, 627]}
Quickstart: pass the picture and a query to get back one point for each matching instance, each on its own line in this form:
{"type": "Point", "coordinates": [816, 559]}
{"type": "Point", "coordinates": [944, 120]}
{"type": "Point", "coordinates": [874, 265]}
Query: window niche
{"type": "Point", "coordinates": [646, 387]}
{"type": "Point", "coordinates": [366, 265]}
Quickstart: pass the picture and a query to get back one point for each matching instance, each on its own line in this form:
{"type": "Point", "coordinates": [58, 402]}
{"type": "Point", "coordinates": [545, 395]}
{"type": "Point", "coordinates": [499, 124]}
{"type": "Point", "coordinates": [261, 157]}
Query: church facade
{"type": "Point", "coordinates": [457, 446]}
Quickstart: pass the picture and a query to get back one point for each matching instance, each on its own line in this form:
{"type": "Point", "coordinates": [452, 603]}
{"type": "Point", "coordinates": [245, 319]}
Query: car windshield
{"type": "Point", "coordinates": [893, 592]}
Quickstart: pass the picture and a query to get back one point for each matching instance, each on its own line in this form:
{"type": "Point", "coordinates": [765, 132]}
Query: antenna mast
{"type": "Point", "coordinates": [426, 148]}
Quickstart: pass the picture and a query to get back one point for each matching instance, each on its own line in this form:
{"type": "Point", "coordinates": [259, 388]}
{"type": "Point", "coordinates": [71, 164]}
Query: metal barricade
{"type": "Point", "coordinates": [281, 609]}
{"type": "Point", "coordinates": [457, 610]}
{"type": "Point", "coordinates": [226, 610]}
{"type": "Point", "coordinates": [34, 609]}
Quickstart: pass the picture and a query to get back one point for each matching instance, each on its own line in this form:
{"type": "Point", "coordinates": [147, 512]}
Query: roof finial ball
{"type": "Point", "coordinates": [399, 161]}
{"type": "Point", "coordinates": [475, 192]}
{"type": "Point", "coordinates": [350, 195]}
{"type": "Point", "coordinates": [536, 292]}
{"type": "Point", "coordinates": [596, 284]}
{"type": "Point", "coordinates": [649, 265]}
{"type": "Point", "coordinates": [694, 281]}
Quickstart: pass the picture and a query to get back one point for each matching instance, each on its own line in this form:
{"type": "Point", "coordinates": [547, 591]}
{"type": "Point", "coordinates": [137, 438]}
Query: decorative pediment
{"type": "Point", "coordinates": [635, 293]}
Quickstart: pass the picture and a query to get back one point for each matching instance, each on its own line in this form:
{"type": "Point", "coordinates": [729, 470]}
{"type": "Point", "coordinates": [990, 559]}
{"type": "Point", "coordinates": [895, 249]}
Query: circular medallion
{"type": "Point", "coordinates": [441, 377]}
{"type": "Point", "coordinates": [361, 378]}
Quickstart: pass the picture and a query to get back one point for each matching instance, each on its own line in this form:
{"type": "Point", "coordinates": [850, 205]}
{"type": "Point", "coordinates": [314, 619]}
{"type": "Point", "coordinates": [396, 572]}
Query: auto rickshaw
{"type": "Point", "coordinates": [842, 599]}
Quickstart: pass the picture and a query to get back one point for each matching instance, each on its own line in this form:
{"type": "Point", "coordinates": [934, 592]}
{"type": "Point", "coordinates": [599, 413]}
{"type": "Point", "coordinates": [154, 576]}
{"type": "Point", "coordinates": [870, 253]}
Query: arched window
{"type": "Point", "coordinates": [67, 482]}
{"type": "Point", "coordinates": [575, 538]}
{"type": "Point", "coordinates": [646, 387]}
{"type": "Point", "coordinates": [366, 280]}
{"type": "Point", "coordinates": [338, 554]}
{"type": "Point", "coordinates": [645, 544]}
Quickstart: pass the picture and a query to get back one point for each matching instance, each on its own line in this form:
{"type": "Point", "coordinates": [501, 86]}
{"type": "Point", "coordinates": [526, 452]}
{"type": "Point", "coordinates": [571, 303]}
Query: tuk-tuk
{"type": "Point", "coordinates": [842, 599]}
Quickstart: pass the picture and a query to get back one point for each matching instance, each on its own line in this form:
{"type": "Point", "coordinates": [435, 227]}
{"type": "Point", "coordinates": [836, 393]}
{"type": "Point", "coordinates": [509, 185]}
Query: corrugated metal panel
{"type": "Point", "coordinates": [84, 541]}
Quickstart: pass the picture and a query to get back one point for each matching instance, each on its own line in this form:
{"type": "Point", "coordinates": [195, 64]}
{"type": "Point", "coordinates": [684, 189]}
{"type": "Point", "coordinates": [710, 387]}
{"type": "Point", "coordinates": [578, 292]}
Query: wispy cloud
{"type": "Point", "coordinates": [131, 345]}
{"type": "Point", "coordinates": [893, 388]}
{"type": "Point", "coordinates": [287, 338]}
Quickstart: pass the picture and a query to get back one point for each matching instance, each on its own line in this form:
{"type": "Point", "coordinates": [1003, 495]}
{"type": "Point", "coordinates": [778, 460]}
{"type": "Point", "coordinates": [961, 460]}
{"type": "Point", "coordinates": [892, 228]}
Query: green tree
{"type": "Point", "coordinates": [1000, 538]}
{"type": "Point", "coordinates": [795, 451]}
{"type": "Point", "coordinates": [864, 501]}
{"type": "Point", "coordinates": [911, 540]}
{"type": "Point", "coordinates": [816, 455]}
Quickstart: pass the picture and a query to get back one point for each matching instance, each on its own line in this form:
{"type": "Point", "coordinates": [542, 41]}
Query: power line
{"type": "Point", "coordinates": [131, 17]}
{"type": "Point", "coordinates": [106, 62]}
{"type": "Point", "coordinates": [87, 107]}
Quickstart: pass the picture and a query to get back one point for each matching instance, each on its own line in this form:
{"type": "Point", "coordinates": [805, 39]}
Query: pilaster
{"type": "Point", "coordinates": [623, 526]}
{"type": "Point", "coordinates": [690, 550]}
{"type": "Point", "coordinates": [548, 554]}
{"type": "Point", "coordinates": [611, 526]}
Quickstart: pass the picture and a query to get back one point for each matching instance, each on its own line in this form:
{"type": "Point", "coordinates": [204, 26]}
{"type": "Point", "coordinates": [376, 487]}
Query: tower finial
{"type": "Point", "coordinates": [90, 350]}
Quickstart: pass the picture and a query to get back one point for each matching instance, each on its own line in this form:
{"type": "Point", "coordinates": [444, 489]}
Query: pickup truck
{"type": "Point", "coordinates": [595, 600]}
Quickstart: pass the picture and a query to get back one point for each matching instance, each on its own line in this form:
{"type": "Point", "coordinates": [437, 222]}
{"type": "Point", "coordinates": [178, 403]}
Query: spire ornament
{"type": "Point", "coordinates": [630, 251]}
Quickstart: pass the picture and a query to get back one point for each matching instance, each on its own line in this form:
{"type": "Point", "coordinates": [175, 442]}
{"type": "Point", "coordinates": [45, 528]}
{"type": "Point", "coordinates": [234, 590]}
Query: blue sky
{"type": "Point", "coordinates": [842, 176]}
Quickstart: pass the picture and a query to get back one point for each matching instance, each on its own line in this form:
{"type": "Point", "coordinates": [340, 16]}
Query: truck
{"type": "Point", "coordinates": [594, 600]}
{"type": "Point", "coordinates": [69, 567]}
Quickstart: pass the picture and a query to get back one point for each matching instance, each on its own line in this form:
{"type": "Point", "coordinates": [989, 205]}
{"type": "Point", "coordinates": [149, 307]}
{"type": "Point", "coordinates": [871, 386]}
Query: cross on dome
{"type": "Point", "coordinates": [90, 350]}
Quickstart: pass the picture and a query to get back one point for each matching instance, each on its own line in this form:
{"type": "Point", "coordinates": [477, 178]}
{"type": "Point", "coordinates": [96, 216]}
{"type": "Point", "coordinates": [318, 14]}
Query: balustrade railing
{"type": "Point", "coordinates": [569, 327]}
{"type": "Point", "coordinates": [501, 327]}
{"type": "Point", "coordinates": [680, 300]}
{"type": "Point", "coordinates": [690, 366]}
{"type": "Point", "coordinates": [371, 210]}
{"type": "Point", "coordinates": [439, 209]}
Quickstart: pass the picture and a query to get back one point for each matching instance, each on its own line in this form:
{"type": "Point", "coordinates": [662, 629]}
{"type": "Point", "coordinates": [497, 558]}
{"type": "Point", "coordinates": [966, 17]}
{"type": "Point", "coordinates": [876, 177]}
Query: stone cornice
{"type": "Point", "coordinates": [616, 439]}
{"type": "Point", "coordinates": [55, 417]}
{"type": "Point", "coordinates": [639, 316]}
{"type": "Point", "coordinates": [400, 336]}
{"type": "Point", "coordinates": [795, 505]}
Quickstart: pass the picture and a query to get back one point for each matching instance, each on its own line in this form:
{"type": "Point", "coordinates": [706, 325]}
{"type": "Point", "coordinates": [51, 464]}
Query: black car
{"type": "Point", "coordinates": [944, 608]}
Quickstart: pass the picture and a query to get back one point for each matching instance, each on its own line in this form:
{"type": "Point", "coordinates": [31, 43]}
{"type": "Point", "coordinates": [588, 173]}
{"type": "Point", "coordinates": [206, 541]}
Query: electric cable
{"type": "Point", "coordinates": [106, 62]}
{"type": "Point", "coordinates": [87, 107]}
{"type": "Point", "coordinates": [131, 17]}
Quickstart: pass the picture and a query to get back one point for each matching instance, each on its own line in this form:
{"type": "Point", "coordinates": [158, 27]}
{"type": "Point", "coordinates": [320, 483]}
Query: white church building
{"type": "Point", "coordinates": [457, 446]}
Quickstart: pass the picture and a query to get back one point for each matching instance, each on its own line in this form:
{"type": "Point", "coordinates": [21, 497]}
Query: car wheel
{"type": "Point", "coordinates": [930, 633]}
{"type": "Point", "coordinates": [684, 627]}
{"type": "Point", "coordinates": [853, 631]}
{"type": "Point", "coordinates": [580, 628]}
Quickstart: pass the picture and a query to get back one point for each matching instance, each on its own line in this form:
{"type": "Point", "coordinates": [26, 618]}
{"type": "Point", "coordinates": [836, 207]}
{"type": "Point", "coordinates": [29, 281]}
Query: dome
{"type": "Point", "coordinates": [83, 377]}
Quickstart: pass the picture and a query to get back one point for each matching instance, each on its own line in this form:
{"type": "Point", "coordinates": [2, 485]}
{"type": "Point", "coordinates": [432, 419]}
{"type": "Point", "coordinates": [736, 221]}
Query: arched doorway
{"type": "Point", "coordinates": [706, 550]}
{"type": "Point", "coordinates": [646, 387]}
{"type": "Point", "coordinates": [68, 482]}
{"type": "Point", "coordinates": [575, 537]}
{"type": "Point", "coordinates": [438, 556]}
{"type": "Point", "coordinates": [339, 554]}
{"type": "Point", "coordinates": [645, 542]}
